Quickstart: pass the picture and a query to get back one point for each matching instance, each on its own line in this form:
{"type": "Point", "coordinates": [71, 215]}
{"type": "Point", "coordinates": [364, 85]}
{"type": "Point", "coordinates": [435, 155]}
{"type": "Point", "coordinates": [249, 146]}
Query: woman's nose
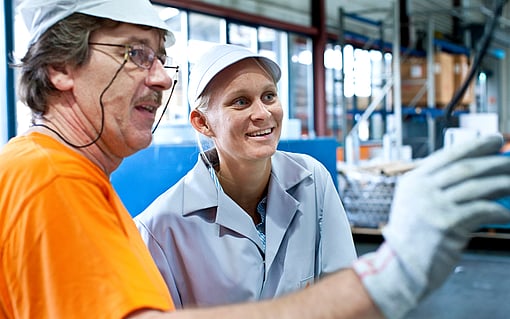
{"type": "Point", "coordinates": [260, 111]}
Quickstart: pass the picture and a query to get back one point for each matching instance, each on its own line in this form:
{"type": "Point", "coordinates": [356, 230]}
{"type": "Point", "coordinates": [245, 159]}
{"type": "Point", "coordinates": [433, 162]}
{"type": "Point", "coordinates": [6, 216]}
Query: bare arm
{"type": "Point", "coordinates": [434, 210]}
{"type": "Point", "coordinates": [340, 296]}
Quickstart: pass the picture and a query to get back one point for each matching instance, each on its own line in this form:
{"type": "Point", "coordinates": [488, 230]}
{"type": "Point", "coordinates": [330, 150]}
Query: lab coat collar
{"type": "Point", "coordinates": [197, 189]}
{"type": "Point", "coordinates": [201, 193]}
{"type": "Point", "coordinates": [287, 172]}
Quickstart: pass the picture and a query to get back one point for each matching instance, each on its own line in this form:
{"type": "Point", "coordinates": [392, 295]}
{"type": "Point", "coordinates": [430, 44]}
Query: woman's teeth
{"type": "Point", "coordinates": [260, 133]}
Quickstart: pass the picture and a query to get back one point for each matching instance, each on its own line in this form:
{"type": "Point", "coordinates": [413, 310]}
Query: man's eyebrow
{"type": "Point", "coordinates": [145, 41]}
{"type": "Point", "coordinates": [134, 39]}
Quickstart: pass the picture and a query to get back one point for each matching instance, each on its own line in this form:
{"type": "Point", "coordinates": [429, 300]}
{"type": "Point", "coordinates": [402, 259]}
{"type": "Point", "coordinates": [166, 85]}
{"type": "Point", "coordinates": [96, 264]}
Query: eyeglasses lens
{"type": "Point", "coordinates": [142, 56]}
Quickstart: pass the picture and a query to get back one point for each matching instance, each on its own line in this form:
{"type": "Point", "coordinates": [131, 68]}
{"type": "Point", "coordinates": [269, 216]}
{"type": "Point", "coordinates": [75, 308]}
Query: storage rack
{"type": "Point", "coordinates": [351, 139]}
{"type": "Point", "coordinates": [430, 112]}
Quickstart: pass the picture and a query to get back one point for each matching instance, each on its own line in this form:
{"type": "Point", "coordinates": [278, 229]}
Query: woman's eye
{"type": "Point", "coordinates": [269, 97]}
{"type": "Point", "coordinates": [240, 102]}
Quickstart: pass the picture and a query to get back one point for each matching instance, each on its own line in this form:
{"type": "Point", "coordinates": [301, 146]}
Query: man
{"type": "Point", "coordinates": [93, 77]}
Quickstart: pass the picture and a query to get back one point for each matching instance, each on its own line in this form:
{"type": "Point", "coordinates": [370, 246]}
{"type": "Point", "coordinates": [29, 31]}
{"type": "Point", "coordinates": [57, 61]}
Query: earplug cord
{"type": "Point", "coordinates": [102, 116]}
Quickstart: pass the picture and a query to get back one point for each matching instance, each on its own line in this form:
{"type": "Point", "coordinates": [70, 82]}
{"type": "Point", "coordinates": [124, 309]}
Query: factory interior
{"type": "Point", "coordinates": [369, 88]}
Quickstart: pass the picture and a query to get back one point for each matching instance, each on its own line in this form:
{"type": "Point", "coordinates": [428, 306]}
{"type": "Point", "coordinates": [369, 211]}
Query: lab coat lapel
{"type": "Point", "coordinates": [201, 193]}
{"type": "Point", "coordinates": [281, 212]}
{"type": "Point", "coordinates": [281, 206]}
{"type": "Point", "coordinates": [199, 190]}
{"type": "Point", "coordinates": [234, 218]}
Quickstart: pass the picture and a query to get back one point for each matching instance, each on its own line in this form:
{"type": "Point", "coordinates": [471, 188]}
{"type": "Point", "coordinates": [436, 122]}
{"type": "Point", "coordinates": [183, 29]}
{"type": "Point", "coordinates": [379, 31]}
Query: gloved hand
{"type": "Point", "coordinates": [435, 208]}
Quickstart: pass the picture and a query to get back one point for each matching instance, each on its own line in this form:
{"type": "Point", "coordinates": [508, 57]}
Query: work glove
{"type": "Point", "coordinates": [435, 209]}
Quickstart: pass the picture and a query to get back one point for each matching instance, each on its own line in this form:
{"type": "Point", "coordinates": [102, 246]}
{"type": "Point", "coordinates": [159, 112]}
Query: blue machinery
{"type": "Point", "coordinates": [145, 175]}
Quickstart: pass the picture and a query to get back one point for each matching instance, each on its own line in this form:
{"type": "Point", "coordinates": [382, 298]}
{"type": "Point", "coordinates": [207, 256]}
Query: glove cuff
{"type": "Point", "coordinates": [392, 289]}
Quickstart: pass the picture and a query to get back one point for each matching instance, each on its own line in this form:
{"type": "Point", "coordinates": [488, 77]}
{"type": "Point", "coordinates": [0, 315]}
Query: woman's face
{"type": "Point", "coordinates": [244, 115]}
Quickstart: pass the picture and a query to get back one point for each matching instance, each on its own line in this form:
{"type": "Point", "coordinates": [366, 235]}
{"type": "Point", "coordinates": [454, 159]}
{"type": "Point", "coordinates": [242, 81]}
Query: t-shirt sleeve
{"type": "Point", "coordinates": [81, 258]}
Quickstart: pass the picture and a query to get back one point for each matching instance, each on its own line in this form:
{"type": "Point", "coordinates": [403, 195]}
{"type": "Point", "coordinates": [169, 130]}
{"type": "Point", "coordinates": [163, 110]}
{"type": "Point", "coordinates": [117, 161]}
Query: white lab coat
{"type": "Point", "coordinates": [208, 250]}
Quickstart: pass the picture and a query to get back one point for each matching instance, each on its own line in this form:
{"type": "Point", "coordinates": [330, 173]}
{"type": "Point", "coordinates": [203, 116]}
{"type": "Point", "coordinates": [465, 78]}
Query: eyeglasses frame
{"type": "Point", "coordinates": [160, 57]}
{"type": "Point", "coordinates": [129, 47]}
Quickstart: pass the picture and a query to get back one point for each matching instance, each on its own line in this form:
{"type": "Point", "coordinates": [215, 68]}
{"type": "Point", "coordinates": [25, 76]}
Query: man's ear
{"type": "Point", "coordinates": [199, 122]}
{"type": "Point", "coordinates": [61, 77]}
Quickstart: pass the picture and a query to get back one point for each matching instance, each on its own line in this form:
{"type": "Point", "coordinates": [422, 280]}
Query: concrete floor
{"type": "Point", "coordinates": [479, 287]}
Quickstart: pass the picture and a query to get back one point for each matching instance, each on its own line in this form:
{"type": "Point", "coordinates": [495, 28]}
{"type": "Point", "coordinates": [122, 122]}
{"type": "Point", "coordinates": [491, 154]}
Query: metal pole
{"type": "Point", "coordinates": [431, 86]}
{"type": "Point", "coordinates": [9, 102]}
{"type": "Point", "coordinates": [343, 100]}
{"type": "Point", "coordinates": [397, 85]}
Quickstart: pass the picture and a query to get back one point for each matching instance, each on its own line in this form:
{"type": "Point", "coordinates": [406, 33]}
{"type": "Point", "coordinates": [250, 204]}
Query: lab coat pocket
{"type": "Point", "coordinates": [306, 282]}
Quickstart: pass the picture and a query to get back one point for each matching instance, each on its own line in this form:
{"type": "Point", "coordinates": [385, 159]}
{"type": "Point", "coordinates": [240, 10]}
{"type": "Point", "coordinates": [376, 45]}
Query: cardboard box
{"type": "Point", "coordinates": [461, 69]}
{"type": "Point", "coordinates": [414, 78]}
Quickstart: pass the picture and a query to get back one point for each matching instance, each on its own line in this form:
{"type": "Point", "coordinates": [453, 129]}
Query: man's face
{"type": "Point", "coordinates": [131, 101]}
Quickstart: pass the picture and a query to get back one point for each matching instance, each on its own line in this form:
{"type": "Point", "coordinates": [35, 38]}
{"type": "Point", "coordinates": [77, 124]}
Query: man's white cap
{"type": "Point", "coordinates": [215, 60]}
{"type": "Point", "coordinates": [40, 15]}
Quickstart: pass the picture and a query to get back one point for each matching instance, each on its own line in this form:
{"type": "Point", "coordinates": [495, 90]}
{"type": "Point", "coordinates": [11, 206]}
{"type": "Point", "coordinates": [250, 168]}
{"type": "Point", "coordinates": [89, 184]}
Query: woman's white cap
{"type": "Point", "coordinates": [215, 60]}
{"type": "Point", "coordinates": [40, 15]}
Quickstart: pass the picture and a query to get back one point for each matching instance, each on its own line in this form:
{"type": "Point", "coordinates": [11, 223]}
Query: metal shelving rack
{"type": "Point", "coordinates": [431, 113]}
{"type": "Point", "coordinates": [351, 139]}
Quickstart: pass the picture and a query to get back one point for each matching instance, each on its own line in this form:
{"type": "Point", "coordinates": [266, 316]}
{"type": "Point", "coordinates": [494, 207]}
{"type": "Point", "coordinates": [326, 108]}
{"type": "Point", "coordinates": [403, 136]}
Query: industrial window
{"type": "Point", "coordinates": [193, 33]}
{"type": "Point", "coordinates": [365, 72]}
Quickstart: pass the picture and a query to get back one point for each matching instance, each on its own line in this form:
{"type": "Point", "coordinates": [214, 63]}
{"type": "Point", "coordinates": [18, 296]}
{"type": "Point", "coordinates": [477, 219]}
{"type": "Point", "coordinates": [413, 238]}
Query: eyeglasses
{"type": "Point", "coordinates": [144, 56]}
{"type": "Point", "coordinates": [141, 55]}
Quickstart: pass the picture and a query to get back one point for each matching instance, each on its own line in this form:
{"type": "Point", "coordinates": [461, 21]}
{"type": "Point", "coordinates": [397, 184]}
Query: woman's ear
{"type": "Point", "coordinates": [60, 77]}
{"type": "Point", "coordinates": [199, 122]}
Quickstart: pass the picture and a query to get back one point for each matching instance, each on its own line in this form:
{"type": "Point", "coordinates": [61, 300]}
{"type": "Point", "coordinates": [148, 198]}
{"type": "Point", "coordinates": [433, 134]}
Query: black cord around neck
{"type": "Point", "coordinates": [102, 116]}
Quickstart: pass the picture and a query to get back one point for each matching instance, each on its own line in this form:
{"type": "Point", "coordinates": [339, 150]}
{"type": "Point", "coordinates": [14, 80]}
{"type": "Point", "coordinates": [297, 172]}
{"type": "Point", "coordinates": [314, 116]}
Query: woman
{"type": "Point", "coordinates": [248, 222]}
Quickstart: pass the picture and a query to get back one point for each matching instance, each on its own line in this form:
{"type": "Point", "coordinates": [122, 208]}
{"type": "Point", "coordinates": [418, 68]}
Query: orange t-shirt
{"type": "Point", "coordinates": [68, 246]}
